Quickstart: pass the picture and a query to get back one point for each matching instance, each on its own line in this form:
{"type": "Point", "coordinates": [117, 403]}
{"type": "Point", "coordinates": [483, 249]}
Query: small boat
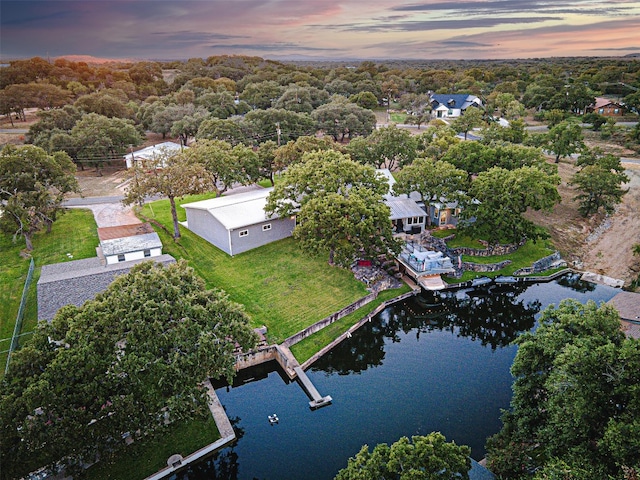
{"type": "Point", "coordinates": [477, 282]}
{"type": "Point", "coordinates": [505, 279]}
{"type": "Point", "coordinates": [273, 419]}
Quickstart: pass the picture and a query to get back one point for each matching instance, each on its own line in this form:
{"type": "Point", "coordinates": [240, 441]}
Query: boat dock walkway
{"type": "Point", "coordinates": [317, 399]}
{"type": "Point", "coordinates": [293, 369]}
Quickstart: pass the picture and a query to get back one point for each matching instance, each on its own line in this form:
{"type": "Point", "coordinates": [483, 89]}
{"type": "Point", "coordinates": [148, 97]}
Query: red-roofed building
{"type": "Point", "coordinates": [606, 107]}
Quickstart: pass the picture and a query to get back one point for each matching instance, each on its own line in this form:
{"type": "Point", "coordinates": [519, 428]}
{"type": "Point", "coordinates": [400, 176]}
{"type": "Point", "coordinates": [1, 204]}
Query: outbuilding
{"type": "Point", "coordinates": [237, 222]}
{"type": "Point", "coordinates": [153, 156]}
{"type": "Point", "coordinates": [125, 243]}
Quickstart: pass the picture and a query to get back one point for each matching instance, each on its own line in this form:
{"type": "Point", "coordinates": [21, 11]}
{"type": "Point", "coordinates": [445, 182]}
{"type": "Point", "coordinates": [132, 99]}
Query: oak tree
{"type": "Point", "coordinates": [33, 185]}
{"type": "Point", "coordinates": [428, 457]}
{"type": "Point", "coordinates": [599, 180]}
{"type": "Point", "coordinates": [498, 198]}
{"type": "Point", "coordinates": [575, 397]}
{"type": "Point", "coordinates": [339, 206]}
{"type": "Point", "coordinates": [172, 176]}
{"type": "Point", "coordinates": [434, 180]}
{"type": "Point", "coordinates": [131, 360]}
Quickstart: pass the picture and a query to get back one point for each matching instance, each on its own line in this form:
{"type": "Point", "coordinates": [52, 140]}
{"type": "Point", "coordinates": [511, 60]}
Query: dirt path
{"type": "Point", "coordinates": [112, 183]}
{"type": "Point", "coordinates": [111, 214]}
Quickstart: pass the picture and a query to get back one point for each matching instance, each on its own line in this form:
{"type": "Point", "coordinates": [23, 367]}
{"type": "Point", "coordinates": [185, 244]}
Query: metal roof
{"type": "Point", "coordinates": [135, 243]}
{"type": "Point", "coordinates": [152, 152]}
{"type": "Point", "coordinates": [404, 208]}
{"type": "Point", "coordinates": [415, 196]}
{"type": "Point", "coordinates": [237, 210]}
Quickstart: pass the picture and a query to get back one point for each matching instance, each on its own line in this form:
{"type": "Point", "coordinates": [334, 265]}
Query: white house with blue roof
{"type": "Point", "coordinates": [449, 105]}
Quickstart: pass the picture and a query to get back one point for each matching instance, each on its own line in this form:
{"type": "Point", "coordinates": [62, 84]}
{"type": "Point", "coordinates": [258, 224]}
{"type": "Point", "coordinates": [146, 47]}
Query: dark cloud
{"type": "Point", "coordinates": [190, 28]}
{"type": "Point", "coordinates": [620, 49]}
{"type": "Point", "coordinates": [492, 7]}
{"type": "Point", "coordinates": [273, 47]}
{"type": "Point", "coordinates": [429, 25]}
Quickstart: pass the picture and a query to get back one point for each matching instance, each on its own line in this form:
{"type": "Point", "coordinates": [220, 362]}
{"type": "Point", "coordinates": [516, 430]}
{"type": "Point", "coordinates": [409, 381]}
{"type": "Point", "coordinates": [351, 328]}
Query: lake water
{"type": "Point", "coordinates": [437, 362]}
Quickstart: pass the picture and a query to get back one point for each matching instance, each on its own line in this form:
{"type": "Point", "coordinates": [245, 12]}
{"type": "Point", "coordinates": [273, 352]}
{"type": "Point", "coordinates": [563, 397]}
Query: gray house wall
{"type": "Point", "coordinates": [257, 237]}
{"type": "Point", "coordinates": [205, 225]}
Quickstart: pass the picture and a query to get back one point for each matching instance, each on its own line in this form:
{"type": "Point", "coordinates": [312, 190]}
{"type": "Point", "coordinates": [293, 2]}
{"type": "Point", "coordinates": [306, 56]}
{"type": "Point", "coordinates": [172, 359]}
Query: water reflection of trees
{"type": "Point", "coordinates": [363, 350]}
{"type": "Point", "coordinates": [573, 281]}
{"type": "Point", "coordinates": [494, 316]}
{"type": "Point", "coordinates": [221, 465]}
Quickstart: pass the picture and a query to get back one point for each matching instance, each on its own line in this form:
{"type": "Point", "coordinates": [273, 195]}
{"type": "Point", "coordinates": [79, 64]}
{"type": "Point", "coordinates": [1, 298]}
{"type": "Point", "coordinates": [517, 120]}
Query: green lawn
{"type": "Point", "coordinates": [523, 257]}
{"type": "Point", "coordinates": [280, 285]}
{"type": "Point", "coordinates": [398, 117]}
{"type": "Point", "coordinates": [306, 348]}
{"type": "Point", "coordinates": [141, 459]}
{"type": "Point", "coordinates": [73, 233]}
{"type": "Point", "coordinates": [463, 241]}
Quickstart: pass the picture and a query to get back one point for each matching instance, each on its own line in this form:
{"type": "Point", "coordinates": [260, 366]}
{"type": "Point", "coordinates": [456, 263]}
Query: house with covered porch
{"type": "Point", "coordinates": [407, 214]}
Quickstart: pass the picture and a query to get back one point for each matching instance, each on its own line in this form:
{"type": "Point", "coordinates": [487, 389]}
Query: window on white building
{"type": "Point", "coordinates": [266, 227]}
{"type": "Point", "coordinates": [147, 253]}
{"type": "Point", "coordinates": [121, 257]}
{"type": "Point", "coordinates": [244, 233]}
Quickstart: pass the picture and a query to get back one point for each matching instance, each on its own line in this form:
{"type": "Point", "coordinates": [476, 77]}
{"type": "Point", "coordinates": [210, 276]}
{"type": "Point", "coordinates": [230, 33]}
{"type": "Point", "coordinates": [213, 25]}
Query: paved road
{"type": "Point", "coordinates": [14, 130]}
{"type": "Point", "coordinates": [80, 202]}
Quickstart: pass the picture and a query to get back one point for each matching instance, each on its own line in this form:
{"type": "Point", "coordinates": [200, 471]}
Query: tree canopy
{"type": "Point", "coordinates": [95, 139]}
{"type": "Point", "coordinates": [563, 139]}
{"type": "Point", "coordinates": [428, 457]}
{"type": "Point", "coordinates": [131, 360]}
{"type": "Point", "coordinates": [434, 180]}
{"type": "Point", "coordinates": [599, 180]}
{"type": "Point", "coordinates": [576, 398]}
{"type": "Point", "coordinates": [173, 176]}
{"type": "Point", "coordinates": [499, 197]}
{"type": "Point", "coordinates": [388, 147]}
{"type": "Point", "coordinates": [339, 206]}
{"type": "Point", "coordinates": [33, 185]}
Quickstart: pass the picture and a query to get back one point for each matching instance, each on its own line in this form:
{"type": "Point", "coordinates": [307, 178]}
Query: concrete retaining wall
{"type": "Point", "coordinates": [292, 340]}
{"type": "Point", "coordinates": [256, 357]}
{"type": "Point", "coordinates": [356, 326]}
{"type": "Point", "coordinates": [224, 427]}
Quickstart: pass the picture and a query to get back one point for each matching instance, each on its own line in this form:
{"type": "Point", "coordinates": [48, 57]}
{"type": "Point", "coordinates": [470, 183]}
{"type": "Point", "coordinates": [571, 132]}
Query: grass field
{"type": "Point", "coordinates": [306, 348]}
{"type": "Point", "coordinates": [523, 257]}
{"type": "Point", "coordinates": [141, 459]}
{"type": "Point", "coordinates": [280, 285]}
{"type": "Point", "coordinates": [73, 233]}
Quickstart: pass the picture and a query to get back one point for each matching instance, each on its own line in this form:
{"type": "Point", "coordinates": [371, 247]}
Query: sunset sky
{"type": "Point", "coordinates": [325, 29]}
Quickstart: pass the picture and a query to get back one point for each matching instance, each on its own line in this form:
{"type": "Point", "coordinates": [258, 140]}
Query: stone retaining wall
{"type": "Point", "coordinates": [489, 251]}
{"type": "Point", "coordinates": [485, 267]}
{"type": "Point", "coordinates": [541, 265]}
